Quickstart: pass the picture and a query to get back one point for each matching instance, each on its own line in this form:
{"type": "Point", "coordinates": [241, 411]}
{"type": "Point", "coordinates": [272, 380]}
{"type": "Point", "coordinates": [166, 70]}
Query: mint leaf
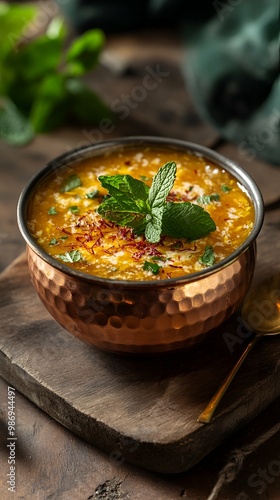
{"type": "Point", "coordinates": [74, 209]}
{"type": "Point", "coordinates": [50, 105]}
{"type": "Point", "coordinates": [186, 220]}
{"type": "Point", "coordinates": [57, 29]}
{"type": "Point", "coordinates": [161, 185]}
{"type": "Point", "coordinates": [14, 127]}
{"type": "Point", "coordinates": [226, 188]}
{"type": "Point", "coordinates": [83, 53]}
{"type": "Point", "coordinates": [130, 193]}
{"type": "Point", "coordinates": [52, 211]}
{"type": "Point", "coordinates": [208, 257]}
{"type": "Point", "coordinates": [14, 19]}
{"type": "Point", "coordinates": [36, 59]}
{"type": "Point", "coordinates": [71, 183]}
{"type": "Point", "coordinates": [151, 266]}
{"type": "Point", "coordinates": [73, 256]}
{"type": "Point", "coordinates": [114, 211]}
{"type": "Point", "coordinates": [86, 105]}
{"type": "Point", "coordinates": [39, 77]}
{"type": "Point", "coordinates": [53, 241]}
{"type": "Point", "coordinates": [206, 199]}
{"type": "Point", "coordinates": [154, 224]}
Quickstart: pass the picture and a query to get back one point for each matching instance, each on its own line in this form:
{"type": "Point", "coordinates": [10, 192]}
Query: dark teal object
{"type": "Point", "coordinates": [126, 15]}
{"type": "Point", "coordinates": [232, 69]}
{"type": "Point", "coordinates": [232, 66]}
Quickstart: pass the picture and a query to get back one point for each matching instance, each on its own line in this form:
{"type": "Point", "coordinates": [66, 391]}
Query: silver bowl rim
{"type": "Point", "coordinates": [80, 153]}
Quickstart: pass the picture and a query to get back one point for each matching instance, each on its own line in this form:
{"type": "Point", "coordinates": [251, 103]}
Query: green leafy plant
{"type": "Point", "coordinates": [41, 83]}
{"type": "Point", "coordinates": [132, 203]}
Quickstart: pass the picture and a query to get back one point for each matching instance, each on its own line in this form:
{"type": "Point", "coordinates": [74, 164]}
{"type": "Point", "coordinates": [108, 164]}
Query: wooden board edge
{"type": "Point", "coordinates": [173, 457]}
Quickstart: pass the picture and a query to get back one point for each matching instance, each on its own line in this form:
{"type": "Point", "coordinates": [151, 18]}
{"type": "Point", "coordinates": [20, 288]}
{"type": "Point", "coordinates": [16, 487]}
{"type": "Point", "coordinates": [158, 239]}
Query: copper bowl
{"type": "Point", "coordinates": [144, 316]}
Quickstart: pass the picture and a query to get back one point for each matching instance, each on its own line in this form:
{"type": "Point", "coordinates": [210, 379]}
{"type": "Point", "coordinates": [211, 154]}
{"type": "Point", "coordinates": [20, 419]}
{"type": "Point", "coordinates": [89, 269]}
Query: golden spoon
{"type": "Point", "coordinates": [261, 311]}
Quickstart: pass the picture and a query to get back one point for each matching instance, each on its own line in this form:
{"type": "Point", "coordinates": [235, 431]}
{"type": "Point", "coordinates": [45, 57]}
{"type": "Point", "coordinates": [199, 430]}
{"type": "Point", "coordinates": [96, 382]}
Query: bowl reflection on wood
{"type": "Point", "coordinates": [144, 316]}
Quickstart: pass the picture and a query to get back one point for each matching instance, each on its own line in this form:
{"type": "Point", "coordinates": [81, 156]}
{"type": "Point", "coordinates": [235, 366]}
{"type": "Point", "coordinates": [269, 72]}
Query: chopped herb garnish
{"type": "Point", "coordinates": [206, 199]}
{"type": "Point", "coordinates": [132, 203]}
{"type": "Point", "coordinates": [151, 266]}
{"type": "Point", "coordinates": [92, 194]}
{"type": "Point", "coordinates": [52, 211]}
{"type": "Point", "coordinates": [53, 241]}
{"type": "Point", "coordinates": [74, 209]}
{"type": "Point", "coordinates": [63, 238]}
{"type": "Point", "coordinates": [208, 257]}
{"type": "Point", "coordinates": [144, 177]}
{"type": "Point", "coordinates": [190, 188]}
{"type": "Point", "coordinates": [162, 258]}
{"type": "Point", "coordinates": [225, 188]}
{"type": "Point", "coordinates": [71, 183]}
{"type": "Point", "coordinates": [73, 256]}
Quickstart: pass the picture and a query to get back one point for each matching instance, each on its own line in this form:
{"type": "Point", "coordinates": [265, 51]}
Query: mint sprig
{"type": "Point", "coordinates": [132, 203]}
{"type": "Point", "coordinates": [186, 220]}
{"type": "Point", "coordinates": [42, 75]}
{"type": "Point", "coordinates": [161, 185]}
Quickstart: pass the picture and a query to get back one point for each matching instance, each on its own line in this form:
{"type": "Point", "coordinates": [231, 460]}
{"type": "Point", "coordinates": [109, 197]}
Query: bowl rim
{"type": "Point", "coordinates": [84, 152]}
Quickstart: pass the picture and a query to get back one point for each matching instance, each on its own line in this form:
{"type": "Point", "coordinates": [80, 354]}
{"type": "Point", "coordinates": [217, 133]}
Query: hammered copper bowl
{"type": "Point", "coordinates": [145, 316]}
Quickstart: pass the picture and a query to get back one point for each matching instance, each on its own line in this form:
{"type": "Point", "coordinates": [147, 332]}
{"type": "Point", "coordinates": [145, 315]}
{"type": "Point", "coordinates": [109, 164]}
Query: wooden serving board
{"type": "Point", "coordinates": [139, 409]}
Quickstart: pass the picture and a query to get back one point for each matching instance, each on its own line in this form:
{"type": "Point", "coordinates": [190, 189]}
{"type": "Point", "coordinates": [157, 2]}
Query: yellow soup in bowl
{"type": "Point", "coordinates": [65, 218]}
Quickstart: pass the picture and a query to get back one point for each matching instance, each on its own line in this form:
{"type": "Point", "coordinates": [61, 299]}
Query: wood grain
{"type": "Point", "coordinates": [143, 408]}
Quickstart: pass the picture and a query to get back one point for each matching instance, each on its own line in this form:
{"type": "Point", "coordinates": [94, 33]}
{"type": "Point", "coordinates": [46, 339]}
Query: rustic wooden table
{"type": "Point", "coordinates": [52, 462]}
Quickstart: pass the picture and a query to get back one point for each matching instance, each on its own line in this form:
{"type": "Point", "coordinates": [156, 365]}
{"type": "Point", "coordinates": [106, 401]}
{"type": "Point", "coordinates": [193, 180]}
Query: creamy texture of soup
{"type": "Point", "coordinates": [62, 216]}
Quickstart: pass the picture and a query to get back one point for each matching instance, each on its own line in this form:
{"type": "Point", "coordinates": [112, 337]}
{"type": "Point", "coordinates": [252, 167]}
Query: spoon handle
{"type": "Point", "coordinates": [208, 412]}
